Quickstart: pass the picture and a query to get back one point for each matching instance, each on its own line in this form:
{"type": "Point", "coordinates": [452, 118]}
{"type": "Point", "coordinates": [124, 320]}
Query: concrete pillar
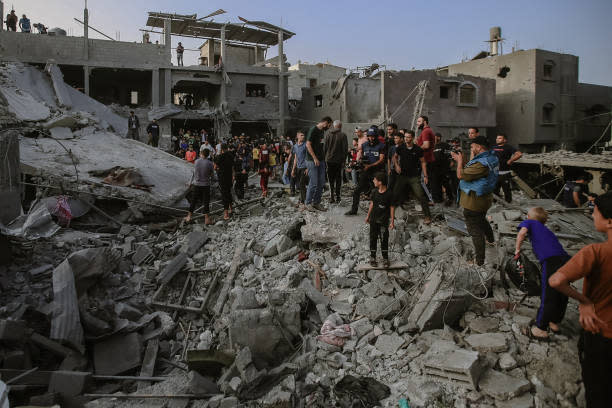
{"type": "Point", "coordinates": [86, 34]}
{"type": "Point", "coordinates": [282, 91]}
{"type": "Point", "coordinates": [155, 88]}
{"type": "Point", "coordinates": [168, 40]}
{"type": "Point", "coordinates": [168, 86]}
{"type": "Point", "coordinates": [86, 79]}
{"type": "Point", "coordinates": [10, 177]}
{"type": "Point", "coordinates": [223, 65]}
{"type": "Point", "coordinates": [1, 14]}
{"type": "Point", "coordinates": [211, 53]}
{"type": "Point", "coordinates": [256, 48]}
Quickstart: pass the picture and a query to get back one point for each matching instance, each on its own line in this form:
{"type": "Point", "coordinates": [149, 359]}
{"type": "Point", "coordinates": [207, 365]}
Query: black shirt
{"type": "Point", "coordinates": [381, 210]}
{"type": "Point", "coordinates": [225, 164]}
{"type": "Point", "coordinates": [315, 137]}
{"type": "Point", "coordinates": [504, 153]}
{"type": "Point", "coordinates": [153, 129]}
{"type": "Point", "coordinates": [442, 155]}
{"type": "Point", "coordinates": [410, 160]}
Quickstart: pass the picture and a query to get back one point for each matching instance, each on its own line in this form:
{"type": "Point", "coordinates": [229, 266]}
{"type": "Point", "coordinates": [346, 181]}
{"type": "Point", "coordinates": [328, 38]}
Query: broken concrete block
{"type": "Point", "coordinates": [12, 330]}
{"type": "Point", "coordinates": [198, 385]}
{"type": "Point", "coordinates": [502, 386]}
{"type": "Point", "coordinates": [524, 401]}
{"type": "Point", "coordinates": [506, 361]}
{"type": "Point", "coordinates": [361, 327]}
{"type": "Point", "coordinates": [69, 383]}
{"type": "Point", "coordinates": [446, 308]}
{"type": "Point", "coordinates": [60, 121]}
{"type": "Point", "coordinates": [118, 354]}
{"type": "Point", "coordinates": [66, 323]}
{"type": "Point", "coordinates": [229, 402]}
{"type": "Point", "coordinates": [388, 344]}
{"type": "Point", "coordinates": [173, 268]}
{"type": "Point", "coordinates": [445, 361]}
{"type": "Point", "coordinates": [378, 307]}
{"type": "Point", "coordinates": [126, 311]}
{"type": "Point", "coordinates": [143, 255]}
{"type": "Point", "coordinates": [243, 359]}
{"type": "Point", "coordinates": [61, 133]}
{"type": "Point", "coordinates": [485, 342]}
{"type": "Point", "coordinates": [421, 395]}
{"type": "Point", "coordinates": [195, 240]}
{"type": "Point", "coordinates": [288, 254]}
{"type": "Point", "coordinates": [283, 244]}
{"type": "Point", "coordinates": [313, 294]}
{"type": "Point", "coordinates": [484, 324]}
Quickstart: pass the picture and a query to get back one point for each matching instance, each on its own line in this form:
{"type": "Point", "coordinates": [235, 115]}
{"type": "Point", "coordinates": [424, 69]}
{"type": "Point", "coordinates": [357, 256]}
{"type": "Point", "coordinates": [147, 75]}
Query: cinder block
{"type": "Point", "coordinates": [69, 383]}
{"type": "Point", "coordinates": [453, 364]}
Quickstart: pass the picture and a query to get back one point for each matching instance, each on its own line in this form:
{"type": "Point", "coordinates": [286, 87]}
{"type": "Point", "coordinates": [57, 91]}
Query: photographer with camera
{"type": "Point", "coordinates": [372, 155]}
{"type": "Point", "coordinates": [439, 171]}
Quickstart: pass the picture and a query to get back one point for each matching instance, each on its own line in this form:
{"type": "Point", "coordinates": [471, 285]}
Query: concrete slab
{"type": "Point", "coordinates": [388, 344]}
{"type": "Point", "coordinates": [486, 342]}
{"type": "Point", "coordinates": [502, 386]}
{"type": "Point", "coordinates": [118, 354]}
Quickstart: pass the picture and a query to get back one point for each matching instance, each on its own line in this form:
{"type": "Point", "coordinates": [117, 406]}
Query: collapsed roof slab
{"type": "Point", "coordinates": [100, 150]}
{"type": "Point", "coordinates": [190, 26]}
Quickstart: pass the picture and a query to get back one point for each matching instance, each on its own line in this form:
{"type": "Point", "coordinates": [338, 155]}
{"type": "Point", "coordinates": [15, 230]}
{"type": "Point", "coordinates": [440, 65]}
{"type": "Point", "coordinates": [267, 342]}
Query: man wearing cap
{"type": "Point", "coordinates": [477, 182]}
{"type": "Point", "coordinates": [507, 155]}
{"type": "Point", "coordinates": [373, 156]}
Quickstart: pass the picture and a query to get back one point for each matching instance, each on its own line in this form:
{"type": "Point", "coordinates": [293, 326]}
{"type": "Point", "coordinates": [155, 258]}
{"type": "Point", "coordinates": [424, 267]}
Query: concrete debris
{"type": "Point", "coordinates": [118, 354]}
{"type": "Point", "coordinates": [446, 361]}
{"type": "Point", "coordinates": [503, 386]}
{"type": "Point", "coordinates": [485, 342]}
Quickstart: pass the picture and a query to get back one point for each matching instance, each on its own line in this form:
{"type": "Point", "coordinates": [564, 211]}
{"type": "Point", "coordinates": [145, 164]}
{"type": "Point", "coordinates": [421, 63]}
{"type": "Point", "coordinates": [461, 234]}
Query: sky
{"type": "Point", "coordinates": [400, 34]}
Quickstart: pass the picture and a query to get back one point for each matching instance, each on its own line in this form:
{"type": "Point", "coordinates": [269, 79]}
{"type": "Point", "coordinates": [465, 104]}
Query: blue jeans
{"type": "Point", "coordinates": [316, 182]}
{"type": "Point", "coordinates": [354, 177]}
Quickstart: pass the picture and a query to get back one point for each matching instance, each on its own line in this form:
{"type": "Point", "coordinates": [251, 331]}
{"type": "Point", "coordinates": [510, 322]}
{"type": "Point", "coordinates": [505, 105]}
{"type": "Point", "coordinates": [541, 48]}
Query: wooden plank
{"type": "Point", "coordinates": [229, 279]}
{"type": "Point", "coordinates": [394, 265]}
{"type": "Point", "coordinates": [148, 362]}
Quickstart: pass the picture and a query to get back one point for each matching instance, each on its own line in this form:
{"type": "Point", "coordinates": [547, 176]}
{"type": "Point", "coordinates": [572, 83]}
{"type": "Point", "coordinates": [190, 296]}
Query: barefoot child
{"type": "Point", "coordinates": [594, 264]}
{"type": "Point", "coordinates": [552, 256]}
{"type": "Point", "coordinates": [381, 209]}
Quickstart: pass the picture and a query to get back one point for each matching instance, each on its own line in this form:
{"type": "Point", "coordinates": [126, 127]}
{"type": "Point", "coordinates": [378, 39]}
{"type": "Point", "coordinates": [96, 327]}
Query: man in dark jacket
{"type": "Point", "coordinates": [153, 132]}
{"type": "Point", "coordinates": [336, 148]}
{"type": "Point", "coordinates": [133, 126]}
{"type": "Point", "coordinates": [11, 21]}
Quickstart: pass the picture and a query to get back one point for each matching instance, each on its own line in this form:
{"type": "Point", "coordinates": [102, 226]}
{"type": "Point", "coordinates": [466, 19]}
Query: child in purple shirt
{"type": "Point", "coordinates": [552, 256]}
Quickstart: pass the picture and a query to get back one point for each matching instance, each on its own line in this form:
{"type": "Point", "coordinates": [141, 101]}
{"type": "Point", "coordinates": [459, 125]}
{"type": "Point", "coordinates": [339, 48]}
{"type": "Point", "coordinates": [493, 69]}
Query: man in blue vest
{"type": "Point", "coordinates": [373, 155]}
{"type": "Point", "coordinates": [477, 183]}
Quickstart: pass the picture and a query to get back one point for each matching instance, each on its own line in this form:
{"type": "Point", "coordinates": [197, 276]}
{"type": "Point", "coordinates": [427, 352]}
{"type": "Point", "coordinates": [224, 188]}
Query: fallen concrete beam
{"type": "Point", "coordinates": [229, 279]}
{"type": "Point", "coordinates": [66, 324]}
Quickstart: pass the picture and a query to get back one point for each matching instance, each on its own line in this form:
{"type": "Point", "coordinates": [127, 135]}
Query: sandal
{"type": "Point", "coordinates": [529, 333]}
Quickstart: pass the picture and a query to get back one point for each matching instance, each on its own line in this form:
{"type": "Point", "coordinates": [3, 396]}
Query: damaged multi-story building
{"type": "Point", "coordinates": [230, 92]}
{"type": "Point", "coordinates": [540, 104]}
{"type": "Point", "coordinates": [452, 103]}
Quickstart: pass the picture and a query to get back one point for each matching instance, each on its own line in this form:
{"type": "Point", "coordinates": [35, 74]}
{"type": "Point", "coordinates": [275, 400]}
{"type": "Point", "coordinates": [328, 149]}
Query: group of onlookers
{"type": "Point", "coordinates": [12, 20]}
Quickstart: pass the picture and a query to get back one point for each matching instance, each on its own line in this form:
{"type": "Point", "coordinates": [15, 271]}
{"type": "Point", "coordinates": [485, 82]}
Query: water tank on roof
{"type": "Point", "coordinates": [56, 31]}
{"type": "Point", "coordinates": [494, 39]}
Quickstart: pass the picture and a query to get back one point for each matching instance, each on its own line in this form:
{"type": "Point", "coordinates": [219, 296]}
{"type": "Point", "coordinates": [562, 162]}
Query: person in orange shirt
{"type": "Point", "coordinates": [190, 155]}
{"type": "Point", "coordinates": [593, 263]}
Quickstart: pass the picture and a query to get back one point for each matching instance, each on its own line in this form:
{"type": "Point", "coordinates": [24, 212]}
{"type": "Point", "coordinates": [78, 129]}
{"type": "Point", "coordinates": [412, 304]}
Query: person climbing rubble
{"type": "Point", "coordinates": [593, 263]}
{"type": "Point", "coordinates": [552, 256]}
{"type": "Point", "coordinates": [477, 182]}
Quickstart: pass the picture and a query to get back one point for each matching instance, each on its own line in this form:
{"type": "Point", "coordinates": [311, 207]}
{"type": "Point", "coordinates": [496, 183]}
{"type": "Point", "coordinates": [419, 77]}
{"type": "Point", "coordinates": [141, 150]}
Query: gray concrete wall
{"type": "Point", "coordinates": [443, 113]}
{"type": "Point", "coordinates": [253, 108]}
{"type": "Point", "coordinates": [592, 100]}
{"type": "Point", "coordinates": [37, 48]}
{"type": "Point", "coordinates": [301, 74]}
{"type": "Point", "coordinates": [333, 107]}
{"type": "Point", "coordinates": [10, 177]}
{"type": "Point", "coordinates": [362, 100]}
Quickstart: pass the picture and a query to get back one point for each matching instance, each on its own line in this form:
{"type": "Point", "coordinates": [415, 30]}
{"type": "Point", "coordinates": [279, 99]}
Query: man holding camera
{"type": "Point", "coordinates": [372, 155]}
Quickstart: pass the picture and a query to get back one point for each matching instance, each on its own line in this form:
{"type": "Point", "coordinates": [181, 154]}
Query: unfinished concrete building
{"type": "Point", "coordinates": [228, 98]}
{"type": "Point", "coordinates": [304, 75]}
{"type": "Point", "coordinates": [540, 103]}
{"type": "Point", "coordinates": [451, 103]}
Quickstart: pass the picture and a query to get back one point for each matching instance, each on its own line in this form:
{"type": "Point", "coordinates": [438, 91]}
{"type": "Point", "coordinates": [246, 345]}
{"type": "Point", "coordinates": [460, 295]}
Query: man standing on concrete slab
{"type": "Point", "coordinates": [179, 54]}
{"type": "Point", "coordinates": [200, 186]}
{"type": "Point", "coordinates": [477, 182]}
{"type": "Point", "coordinates": [133, 126]}
{"type": "Point", "coordinates": [24, 24]}
{"type": "Point", "coordinates": [507, 155]}
{"type": "Point", "coordinates": [11, 21]}
{"type": "Point", "coordinates": [373, 157]}
{"type": "Point", "coordinates": [316, 167]}
{"type": "Point", "coordinates": [426, 141]}
{"type": "Point", "coordinates": [409, 164]}
{"type": "Point", "coordinates": [299, 172]}
{"type": "Point", "coordinates": [153, 132]}
{"type": "Point", "coordinates": [335, 147]}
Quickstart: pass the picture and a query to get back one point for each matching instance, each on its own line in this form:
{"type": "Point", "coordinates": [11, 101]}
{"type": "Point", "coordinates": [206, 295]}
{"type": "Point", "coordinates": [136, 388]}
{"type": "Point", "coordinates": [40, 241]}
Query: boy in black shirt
{"type": "Point", "coordinates": [381, 209]}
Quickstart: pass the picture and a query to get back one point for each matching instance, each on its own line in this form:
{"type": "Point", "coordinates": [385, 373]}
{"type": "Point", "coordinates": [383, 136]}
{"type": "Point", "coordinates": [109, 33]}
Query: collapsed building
{"type": "Point", "coordinates": [108, 300]}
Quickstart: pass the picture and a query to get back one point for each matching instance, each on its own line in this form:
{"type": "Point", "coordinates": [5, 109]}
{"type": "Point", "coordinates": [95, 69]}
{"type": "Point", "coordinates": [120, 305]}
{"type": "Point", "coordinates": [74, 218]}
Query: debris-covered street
{"type": "Point", "coordinates": [206, 232]}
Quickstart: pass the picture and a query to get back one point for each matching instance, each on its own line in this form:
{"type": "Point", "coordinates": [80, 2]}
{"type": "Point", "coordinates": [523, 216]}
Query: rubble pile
{"type": "Point", "coordinates": [275, 308]}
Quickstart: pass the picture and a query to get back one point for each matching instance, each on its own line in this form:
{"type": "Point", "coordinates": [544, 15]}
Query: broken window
{"type": "Point", "coordinates": [313, 82]}
{"type": "Point", "coordinates": [468, 94]}
{"type": "Point", "coordinates": [134, 97]}
{"type": "Point", "coordinates": [318, 100]}
{"type": "Point", "coordinates": [548, 114]}
{"type": "Point", "coordinates": [503, 72]}
{"type": "Point", "coordinates": [255, 90]}
{"type": "Point", "coordinates": [444, 92]}
{"type": "Point", "coordinates": [548, 72]}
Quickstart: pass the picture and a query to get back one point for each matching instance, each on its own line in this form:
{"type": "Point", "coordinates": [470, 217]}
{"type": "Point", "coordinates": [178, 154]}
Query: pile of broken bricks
{"type": "Point", "coordinates": [233, 314]}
